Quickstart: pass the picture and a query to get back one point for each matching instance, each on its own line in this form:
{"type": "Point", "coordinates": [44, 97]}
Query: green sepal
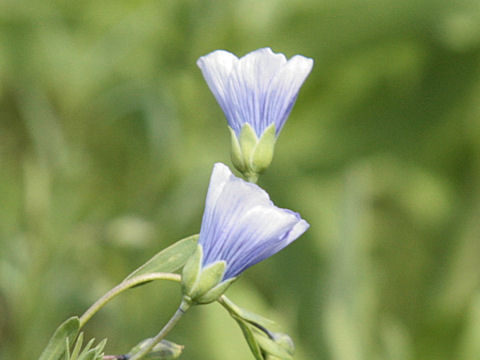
{"type": "Point", "coordinates": [214, 293]}
{"type": "Point", "coordinates": [191, 271]}
{"type": "Point", "coordinates": [163, 350]}
{"type": "Point", "coordinates": [236, 152]}
{"type": "Point", "coordinates": [67, 331]}
{"type": "Point", "coordinates": [252, 155]}
{"type": "Point", "coordinates": [263, 153]}
{"type": "Point", "coordinates": [248, 141]}
{"type": "Point", "coordinates": [210, 276]}
{"type": "Point", "coordinates": [169, 259]}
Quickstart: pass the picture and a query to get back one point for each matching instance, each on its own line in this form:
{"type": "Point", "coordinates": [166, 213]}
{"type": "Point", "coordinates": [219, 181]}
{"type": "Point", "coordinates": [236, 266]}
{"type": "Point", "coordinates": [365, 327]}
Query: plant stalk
{"type": "Point", "coordinates": [182, 309]}
{"type": "Point", "coordinates": [124, 285]}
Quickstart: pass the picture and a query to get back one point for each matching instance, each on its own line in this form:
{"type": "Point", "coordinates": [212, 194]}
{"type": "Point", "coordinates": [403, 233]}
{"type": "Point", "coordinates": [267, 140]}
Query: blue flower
{"type": "Point", "coordinates": [241, 226]}
{"type": "Point", "coordinates": [259, 89]}
{"type": "Point", "coordinates": [256, 93]}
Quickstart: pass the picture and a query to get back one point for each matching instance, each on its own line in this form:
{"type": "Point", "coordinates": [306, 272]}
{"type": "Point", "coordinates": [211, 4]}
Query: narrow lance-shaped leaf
{"type": "Point", "coordinates": [56, 346]}
{"type": "Point", "coordinates": [170, 259]}
{"type": "Point", "coordinates": [101, 345]}
{"type": "Point", "coordinates": [91, 354]}
{"type": "Point", "coordinates": [76, 349]}
{"type": "Point", "coordinates": [250, 338]}
{"type": "Point", "coordinates": [87, 353]}
{"type": "Point", "coordinates": [245, 314]}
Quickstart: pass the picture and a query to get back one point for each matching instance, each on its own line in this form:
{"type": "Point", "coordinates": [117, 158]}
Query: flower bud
{"type": "Point", "coordinates": [163, 350]}
{"type": "Point", "coordinates": [275, 346]}
{"type": "Point", "coordinates": [258, 90]}
{"type": "Point", "coordinates": [285, 342]}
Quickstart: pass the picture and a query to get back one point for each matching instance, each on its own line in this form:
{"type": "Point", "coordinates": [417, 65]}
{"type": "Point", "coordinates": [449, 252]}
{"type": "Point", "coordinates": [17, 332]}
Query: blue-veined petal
{"type": "Point", "coordinates": [216, 68]}
{"type": "Point", "coordinates": [284, 89]}
{"type": "Point", "coordinates": [241, 225]}
{"type": "Point", "coordinates": [259, 89]}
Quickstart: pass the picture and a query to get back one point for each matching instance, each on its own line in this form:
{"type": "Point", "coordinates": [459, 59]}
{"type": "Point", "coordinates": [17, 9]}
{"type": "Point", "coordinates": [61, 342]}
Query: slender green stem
{"type": "Point", "coordinates": [127, 284]}
{"type": "Point", "coordinates": [224, 301]}
{"type": "Point", "coordinates": [229, 305]}
{"type": "Point", "coordinates": [182, 309]}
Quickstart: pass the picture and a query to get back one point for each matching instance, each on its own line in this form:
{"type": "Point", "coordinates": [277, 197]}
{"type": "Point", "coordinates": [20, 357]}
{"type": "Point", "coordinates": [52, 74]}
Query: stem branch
{"type": "Point", "coordinates": [124, 285]}
{"type": "Point", "coordinates": [182, 309]}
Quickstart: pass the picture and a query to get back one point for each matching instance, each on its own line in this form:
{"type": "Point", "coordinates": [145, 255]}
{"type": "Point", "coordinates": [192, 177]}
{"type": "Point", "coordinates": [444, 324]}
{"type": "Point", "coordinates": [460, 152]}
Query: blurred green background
{"type": "Point", "coordinates": [108, 134]}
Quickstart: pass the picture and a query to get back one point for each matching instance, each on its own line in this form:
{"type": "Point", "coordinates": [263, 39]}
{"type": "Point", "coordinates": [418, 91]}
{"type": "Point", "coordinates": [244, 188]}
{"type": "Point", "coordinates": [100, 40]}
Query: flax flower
{"type": "Point", "coordinates": [240, 228]}
{"type": "Point", "coordinates": [259, 89]}
{"type": "Point", "coordinates": [256, 93]}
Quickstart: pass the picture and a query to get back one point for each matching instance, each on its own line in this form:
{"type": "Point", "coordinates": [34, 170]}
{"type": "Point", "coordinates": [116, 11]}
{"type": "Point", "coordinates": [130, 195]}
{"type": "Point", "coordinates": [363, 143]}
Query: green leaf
{"type": "Point", "coordinates": [170, 259]}
{"type": "Point", "coordinates": [77, 348]}
{"type": "Point", "coordinates": [67, 349]}
{"type": "Point", "coordinates": [56, 346]}
{"type": "Point", "coordinates": [88, 353]}
{"type": "Point", "coordinates": [246, 315]}
{"type": "Point", "coordinates": [87, 347]}
{"type": "Point", "coordinates": [101, 345]}
{"type": "Point", "coordinates": [250, 338]}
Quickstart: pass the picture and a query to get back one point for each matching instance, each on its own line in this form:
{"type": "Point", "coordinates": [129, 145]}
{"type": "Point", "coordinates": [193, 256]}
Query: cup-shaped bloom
{"type": "Point", "coordinates": [256, 93]}
{"type": "Point", "coordinates": [240, 228]}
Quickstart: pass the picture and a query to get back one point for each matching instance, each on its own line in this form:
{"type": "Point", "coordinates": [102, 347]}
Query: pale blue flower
{"type": "Point", "coordinates": [259, 89]}
{"type": "Point", "coordinates": [241, 226]}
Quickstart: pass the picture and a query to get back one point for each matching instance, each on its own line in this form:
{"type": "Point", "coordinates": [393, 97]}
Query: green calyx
{"type": "Point", "coordinates": [203, 285]}
{"type": "Point", "coordinates": [251, 155]}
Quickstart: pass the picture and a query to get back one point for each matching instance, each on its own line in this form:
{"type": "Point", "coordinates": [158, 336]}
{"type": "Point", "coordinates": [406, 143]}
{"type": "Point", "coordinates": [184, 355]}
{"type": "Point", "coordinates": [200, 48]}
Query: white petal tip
{"type": "Point", "coordinates": [297, 230]}
{"type": "Point", "coordinates": [221, 171]}
{"type": "Point", "coordinates": [216, 57]}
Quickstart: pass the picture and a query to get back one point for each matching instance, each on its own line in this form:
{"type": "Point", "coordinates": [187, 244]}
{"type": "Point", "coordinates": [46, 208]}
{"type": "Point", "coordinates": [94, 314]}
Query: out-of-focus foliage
{"type": "Point", "coordinates": [108, 134]}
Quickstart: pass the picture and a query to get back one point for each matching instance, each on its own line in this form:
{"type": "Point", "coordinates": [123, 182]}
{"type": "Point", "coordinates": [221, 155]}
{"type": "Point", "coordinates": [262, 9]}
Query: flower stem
{"type": "Point", "coordinates": [124, 285]}
{"type": "Point", "coordinates": [252, 177]}
{"type": "Point", "coordinates": [182, 309]}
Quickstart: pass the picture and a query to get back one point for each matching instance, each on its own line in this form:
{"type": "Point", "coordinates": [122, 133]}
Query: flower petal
{"type": "Point", "coordinates": [260, 234]}
{"type": "Point", "coordinates": [228, 197]}
{"type": "Point", "coordinates": [259, 88]}
{"type": "Point", "coordinates": [284, 89]}
{"type": "Point", "coordinates": [248, 88]}
{"type": "Point", "coordinates": [216, 68]}
{"type": "Point", "coordinates": [241, 225]}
